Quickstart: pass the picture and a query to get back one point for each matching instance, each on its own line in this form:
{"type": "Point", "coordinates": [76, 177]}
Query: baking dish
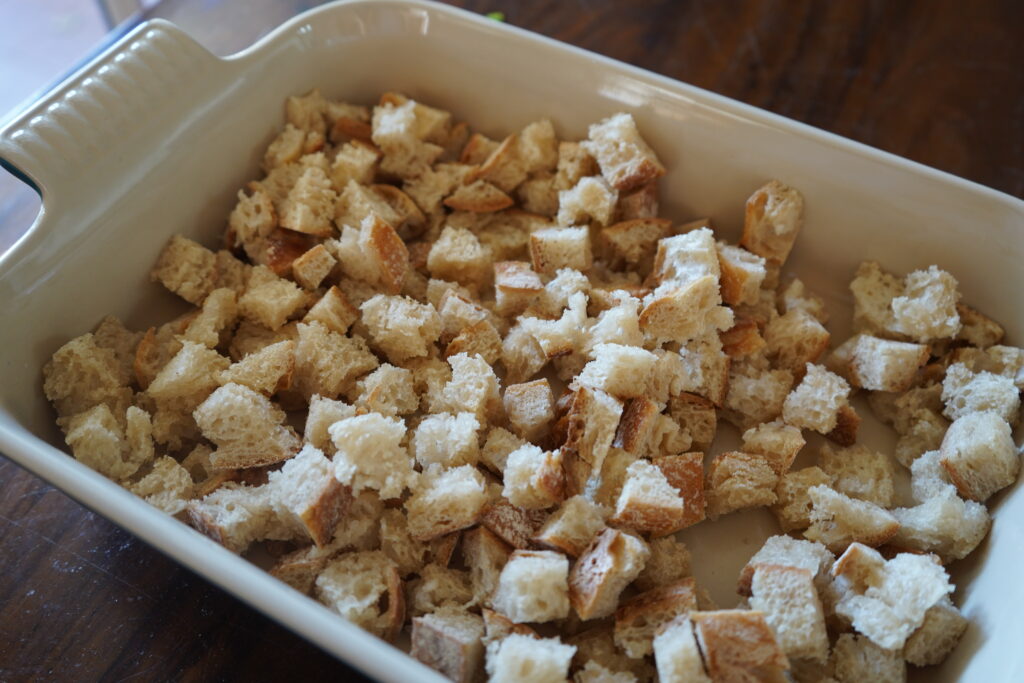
{"type": "Point", "coordinates": [156, 135]}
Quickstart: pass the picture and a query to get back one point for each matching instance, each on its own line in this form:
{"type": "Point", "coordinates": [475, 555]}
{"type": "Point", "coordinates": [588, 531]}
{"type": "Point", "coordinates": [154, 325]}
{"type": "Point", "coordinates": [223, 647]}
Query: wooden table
{"type": "Point", "coordinates": [940, 82]}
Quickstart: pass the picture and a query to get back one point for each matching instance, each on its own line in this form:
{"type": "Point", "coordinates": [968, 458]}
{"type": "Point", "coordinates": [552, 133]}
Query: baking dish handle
{"type": "Point", "coordinates": [97, 112]}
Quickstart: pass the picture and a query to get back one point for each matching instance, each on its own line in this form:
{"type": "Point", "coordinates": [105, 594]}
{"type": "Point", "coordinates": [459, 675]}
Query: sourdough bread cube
{"type": "Point", "coordinates": [538, 146]}
{"type": "Point", "coordinates": [591, 200]}
{"type": "Point", "coordinates": [324, 412]}
{"type": "Point", "coordinates": [216, 318]}
{"type": "Point", "coordinates": [558, 292]}
{"type": "Point", "coordinates": [684, 258]}
{"type": "Point", "coordinates": [520, 658]}
{"type": "Point", "coordinates": [327, 363]}
{"type": "Point", "coordinates": [926, 308]}
{"type": "Point", "coordinates": [795, 339]}
{"type": "Point", "coordinates": [817, 401]}
{"type": "Point", "coordinates": [445, 501]}
{"type": "Point", "coordinates": [438, 587]}
{"type": "Point", "coordinates": [1007, 361]}
{"type": "Point", "coordinates": [738, 480]}
{"type": "Point", "coordinates": [574, 162]}
{"type": "Point", "coordinates": [354, 161]}
{"type": "Point", "coordinates": [447, 440]}
{"type": "Point", "coordinates": [478, 196]}
{"type": "Point", "coordinates": [793, 509]}
{"type": "Point", "coordinates": [572, 527]}
{"type": "Point", "coordinates": [979, 455]}
{"type": "Point", "coordinates": [554, 248]}
{"type": "Point", "coordinates": [892, 604]}
{"type": "Point", "coordinates": [458, 256]}
{"type": "Point", "coordinates": [638, 619]}
{"type": "Point", "coordinates": [796, 295]}
{"type": "Point", "coordinates": [266, 371]}
{"type": "Point", "coordinates": [639, 203]}
{"type": "Point", "coordinates": [754, 396]}
{"type": "Point", "coordinates": [677, 654]}
{"type": "Point", "coordinates": [307, 497]}
{"type": "Point", "coordinates": [473, 388]}
{"type": "Point", "coordinates": [401, 327]}
{"type": "Point", "coordinates": [787, 551]}
{"type": "Point", "coordinates": [398, 131]}
{"type": "Point", "coordinates": [369, 454]}
{"type": "Point", "coordinates": [374, 253]}
{"type": "Point", "coordinates": [928, 478]}
{"type": "Point", "coordinates": [626, 160]}
{"type": "Point", "coordinates": [743, 339]}
{"type": "Point", "coordinates": [635, 241]}
{"type": "Point", "coordinates": [977, 329]}
{"type": "Point", "coordinates": [636, 425]}
{"type": "Point", "coordinates": [458, 313]}
{"type": "Point", "coordinates": [534, 479]}
{"type": "Point", "coordinates": [309, 207]}
{"type": "Point", "coordinates": [623, 371]}
{"type": "Point", "coordinates": [480, 338]}
{"type": "Point", "coordinates": [705, 370]}
{"type": "Point", "coordinates": [310, 269]}
{"type": "Point", "coordinates": [514, 525]}
{"type": "Point", "coordinates": [885, 365]}
{"type": "Point", "coordinates": [270, 300]}
{"type": "Point", "coordinates": [448, 641]}
{"type": "Point", "coordinates": [407, 553]}
{"type": "Point", "coordinates": [937, 636]}
{"type": "Point", "coordinates": [648, 502]}
{"type": "Point", "coordinates": [82, 374]}
{"type": "Point", "coordinates": [738, 645]}
{"type": "Point", "coordinates": [943, 524]}
{"type": "Point", "coordinates": [555, 338]}
{"type": "Point", "coordinates": [355, 585]}
{"type": "Point", "coordinates": [248, 429]}
{"type": "Point", "coordinates": [668, 563]}
{"type": "Point", "coordinates": [138, 434]}
{"type": "Point", "coordinates": [742, 274]}
{"type": "Point", "coordinates": [112, 334]}
{"type": "Point", "coordinates": [965, 392]}
{"type": "Point", "coordinates": [235, 515]}
{"type": "Point", "coordinates": [534, 587]}
{"type": "Point", "coordinates": [696, 416]}
{"type": "Point", "coordinates": [504, 168]}
{"type": "Point", "coordinates": [189, 377]}
{"type": "Point", "coordinates": [778, 442]}
{"type": "Point", "coordinates": [530, 408]}
{"type": "Point", "coordinates": [619, 324]}
{"type": "Point", "coordinates": [685, 473]}
{"type": "Point", "coordinates": [609, 564]}
{"type": "Point", "coordinates": [772, 221]}
{"type": "Point", "coordinates": [860, 472]}
{"type": "Point", "coordinates": [484, 555]}
{"type": "Point", "coordinates": [252, 219]}
{"type": "Point", "coordinates": [388, 390]}
{"type": "Point", "coordinates": [516, 285]}
{"type": "Point", "coordinates": [855, 658]}
{"type": "Point", "coordinates": [597, 644]}
{"type": "Point", "coordinates": [299, 569]}
{"type": "Point", "coordinates": [98, 441]}
{"type": "Point", "coordinates": [790, 603]}
{"type": "Point", "coordinates": [186, 268]}
{"type": "Point", "coordinates": [838, 520]}
{"type": "Point", "coordinates": [499, 444]}
{"type": "Point", "coordinates": [873, 292]}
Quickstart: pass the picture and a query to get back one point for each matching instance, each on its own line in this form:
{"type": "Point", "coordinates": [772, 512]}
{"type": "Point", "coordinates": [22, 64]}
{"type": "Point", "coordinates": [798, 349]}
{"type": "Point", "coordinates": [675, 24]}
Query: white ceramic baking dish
{"type": "Point", "coordinates": [156, 135]}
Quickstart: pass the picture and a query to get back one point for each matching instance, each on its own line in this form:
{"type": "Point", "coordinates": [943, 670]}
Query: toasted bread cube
{"type": "Point", "coordinates": [354, 161]}
{"type": "Point", "coordinates": [685, 473]}
{"type": "Point", "coordinates": [977, 329]}
{"type": "Point", "coordinates": [389, 391]}
{"type": "Point", "coordinates": [234, 516]}
{"type": "Point", "coordinates": [937, 636]}
{"type": "Point", "coordinates": [638, 619]}
{"type": "Point", "coordinates": [373, 253]}
{"type": "Point", "coordinates": [943, 524]}
{"type": "Point", "coordinates": [247, 428]}
{"type": "Point", "coordinates": [606, 567]}
{"type": "Point", "coordinates": [754, 396]}
{"type": "Point", "coordinates": [252, 219]}
{"type": "Point", "coordinates": [401, 327]}
{"type": "Point", "coordinates": [218, 316]}
{"type": "Point", "coordinates": [530, 408]}
{"type": "Point", "coordinates": [310, 269]}
{"type": "Point", "coordinates": [738, 645]}
{"type": "Point", "coordinates": [447, 440]}
{"type": "Point", "coordinates": [773, 218]}
{"type": "Point", "coordinates": [327, 363]}
{"type": "Point", "coordinates": [873, 292]}
{"type": "Point", "coordinates": [795, 339]}
{"type": "Point", "coordinates": [307, 497]}
{"type": "Point", "coordinates": [685, 257]}
{"type": "Point", "coordinates": [534, 479]}
{"type": "Point", "coordinates": [407, 553]}
{"type": "Point", "coordinates": [838, 520]}
{"type": "Point", "coordinates": [626, 160]}
{"type": "Point", "coordinates": [485, 555]}
{"type": "Point", "coordinates": [979, 455]}
{"type": "Point", "coordinates": [473, 388]}
{"type": "Point", "coordinates": [399, 130]}
{"type": "Point", "coordinates": [457, 313]}
{"type": "Point", "coordinates": [448, 641]}
{"type": "Point", "coordinates": [636, 425]}
{"type": "Point", "coordinates": [445, 501]}
{"type": "Point", "coordinates": [479, 196]}
{"type": "Point", "coordinates": [82, 374]}
{"type": "Point", "coordinates": [98, 441]}
{"type": "Point", "coordinates": [696, 416]}
{"type": "Point", "coordinates": [370, 455]}
{"type": "Point", "coordinates": [355, 585]}
{"type": "Point", "coordinates": [742, 274]}
{"type": "Point", "coordinates": [481, 339]}
{"type": "Point", "coordinates": [788, 552]}
{"type": "Point", "coordinates": [779, 443]}
{"type": "Point", "coordinates": [534, 587]}
{"type": "Point", "coordinates": [324, 412]}
{"type": "Point", "coordinates": [309, 207]}
{"type": "Point", "coordinates": [925, 310]}
{"type": "Point", "coordinates": [300, 568]}
{"type": "Point", "coordinates": [795, 295]}
{"type": "Point", "coordinates": [554, 248]}
{"type": "Point", "coordinates": [703, 369]}
{"type": "Point", "coordinates": [270, 300]}
{"type": "Point", "coordinates": [458, 256]}
{"type": "Point", "coordinates": [591, 200]}
{"type": "Point", "coordinates": [186, 268]}
{"type": "Point", "coordinates": [499, 444]}
{"type": "Point", "coordinates": [439, 587]}
{"type": "Point", "coordinates": [677, 654]}
{"type": "Point", "coordinates": [572, 527]}
{"type": "Point", "coordinates": [793, 508]}
{"type": "Point", "coordinates": [639, 203]}
{"type": "Point", "coordinates": [816, 402]}
{"type": "Point", "coordinates": [669, 562]}
{"type": "Point", "coordinates": [512, 524]}
{"type": "Point", "coordinates": [333, 311]}
{"type": "Point", "coordinates": [743, 339]}
{"type": "Point", "coordinates": [860, 472]}
{"type": "Point", "coordinates": [891, 604]}
{"type": "Point", "coordinates": [884, 365]}
{"type": "Point", "coordinates": [965, 392]}
{"type": "Point", "coordinates": [738, 480]}
{"type": "Point", "coordinates": [622, 371]}
{"type": "Point", "coordinates": [790, 603]}
{"type": "Point", "coordinates": [515, 286]}
{"type": "Point", "coordinates": [592, 422]}
{"type": "Point", "coordinates": [519, 657]}
{"type": "Point", "coordinates": [1007, 361]}
{"type": "Point", "coordinates": [856, 658]}
{"type": "Point", "coordinates": [635, 241]}
{"type": "Point", "coordinates": [555, 338]}
{"type": "Point", "coordinates": [680, 313]}
{"type": "Point", "coordinates": [648, 502]}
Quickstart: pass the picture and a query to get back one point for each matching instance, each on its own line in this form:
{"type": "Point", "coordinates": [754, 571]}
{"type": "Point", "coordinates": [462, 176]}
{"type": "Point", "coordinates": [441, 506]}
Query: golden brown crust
{"type": "Point", "coordinates": [514, 525]}
{"type": "Point", "coordinates": [636, 239]}
{"type": "Point", "coordinates": [685, 472]}
{"type": "Point", "coordinates": [322, 516]}
{"type": "Point", "coordinates": [478, 197]}
{"type": "Point", "coordinates": [738, 645]}
{"type": "Point", "coordinates": [412, 219]}
{"type": "Point", "coordinates": [442, 549]}
{"type": "Point", "coordinates": [394, 616]}
{"type": "Point", "coordinates": [299, 569]}
{"type": "Point", "coordinates": [350, 127]}
{"type": "Point", "coordinates": [477, 149]}
{"type": "Point", "coordinates": [393, 256]}
{"type": "Point", "coordinates": [640, 617]}
{"type": "Point", "coordinates": [281, 247]}
{"type": "Point", "coordinates": [636, 174]}
{"type": "Point", "coordinates": [743, 338]}
{"type": "Point", "coordinates": [517, 276]}
{"type": "Point", "coordinates": [594, 573]}
{"type": "Point", "coordinates": [638, 418]}
{"type": "Point", "coordinates": [641, 203]}
{"type": "Point", "coordinates": [847, 423]}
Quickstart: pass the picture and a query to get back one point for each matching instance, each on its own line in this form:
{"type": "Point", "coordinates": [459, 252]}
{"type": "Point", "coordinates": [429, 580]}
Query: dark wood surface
{"type": "Point", "coordinates": [939, 82]}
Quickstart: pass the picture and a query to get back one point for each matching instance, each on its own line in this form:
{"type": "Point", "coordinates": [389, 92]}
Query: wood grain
{"type": "Point", "coordinates": [936, 81]}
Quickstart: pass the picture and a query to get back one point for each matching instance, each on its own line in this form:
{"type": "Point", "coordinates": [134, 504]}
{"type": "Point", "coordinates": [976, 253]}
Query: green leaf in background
{"type": "Point", "coordinates": [497, 16]}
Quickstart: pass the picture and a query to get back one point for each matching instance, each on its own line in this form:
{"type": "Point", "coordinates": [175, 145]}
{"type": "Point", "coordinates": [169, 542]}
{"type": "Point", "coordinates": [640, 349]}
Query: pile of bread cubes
{"type": "Point", "coordinates": [466, 390]}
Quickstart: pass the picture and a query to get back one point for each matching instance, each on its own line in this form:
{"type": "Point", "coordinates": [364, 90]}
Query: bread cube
{"type": "Point", "coordinates": [186, 268]}
{"type": "Point", "coordinates": [327, 363]}
{"type": "Point", "coordinates": [309, 207]}
{"type": "Point", "coordinates": [795, 339]}
{"type": "Point", "coordinates": [622, 371]}
{"type": "Point", "coordinates": [401, 327]}
{"type": "Point", "coordinates": [648, 502]}
{"type": "Point", "coordinates": [793, 508]}
{"type": "Point", "coordinates": [860, 472]}
{"type": "Point", "coordinates": [677, 655]}
{"type": "Point", "coordinates": [438, 587]}
{"type": "Point", "coordinates": [943, 524]}
{"type": "Point", "coordinates": [779, 443]}
{"type": "Point", "coordinates": [458, 256]}
{"type": "Point", "coordinates": [572, 527]}
{"type": "Point", "coordinates": [816, 402]}
{"type": "Point", "coordinates": [520, 657]}
{"type": "Point", "coordinates": [668, 562]}
{"type": "Point", "coordinates": [626, 160]}
{"type": "Point", "coordinates": [773, 218]}
{"type": "Point", "coordinates": [979, 455]}
{"type": "Point", "coordinates": [445, 501]}
{"type": "Point", "coordinates": [82, 374]}
{"type": "Point", "coordinates": [696, 416]}
{"type": "Point", "coordinates": [738, 480]}
{"type": "Point", "coordinates": [937, 636]}
{"type": "Point", "coordinates": [856, 658]}
{"type": "Point", "coordinates": [638, 619]}
{"type": "Point", "coordinates": [324, 412]}
{"type": "Point", "coordinates": [754, 396]}
{"type": "Point", "coordinates": [742, 273]}
{"type": "Point", "coordinates": [635, 241]}
{"type": "Point", "coordinates": [234, 516]}
{"type": "Point", "coordinates": [609, 564]}
{"type": "Point", "coordinates": [485, 555]}
{"type": "Point", "coordinates": [448, 641]}
{"type": "Point", "coordinates": [554, 248]}
{"type": "Point", "coordinates": [473, 388]}
{"type": "Point", "coordinates": [369, 454]}
{"type": "Point", "coordinates": [926, 308]}
{"type": "Point", "coordinates": [530, 408]}
{"type": "Point", "coordinates": [534, 479]}
{"type": "Point", "coordinates": [533, 587]}
{"type": "Point", "coordinates": [885, 365]}
{"type": "Point", "coordinates": [355, 585]}
{"type": "Point", "coordinates": [790, 603]}
{"type": "Point", "coordinates": [306, 495]}
{"type": "Point", "coordinates": [515, 286]}
{"type": "Point", "coordinates": [591, 200]}
{"type": "Point", "coordinates": [838, 520]}
{"type": "Point", "coordinates": [965, 392]}
{"type": "Point", "coordinates": [248, 429]}
{"type": "Point", "coordinates": [447, 440]}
